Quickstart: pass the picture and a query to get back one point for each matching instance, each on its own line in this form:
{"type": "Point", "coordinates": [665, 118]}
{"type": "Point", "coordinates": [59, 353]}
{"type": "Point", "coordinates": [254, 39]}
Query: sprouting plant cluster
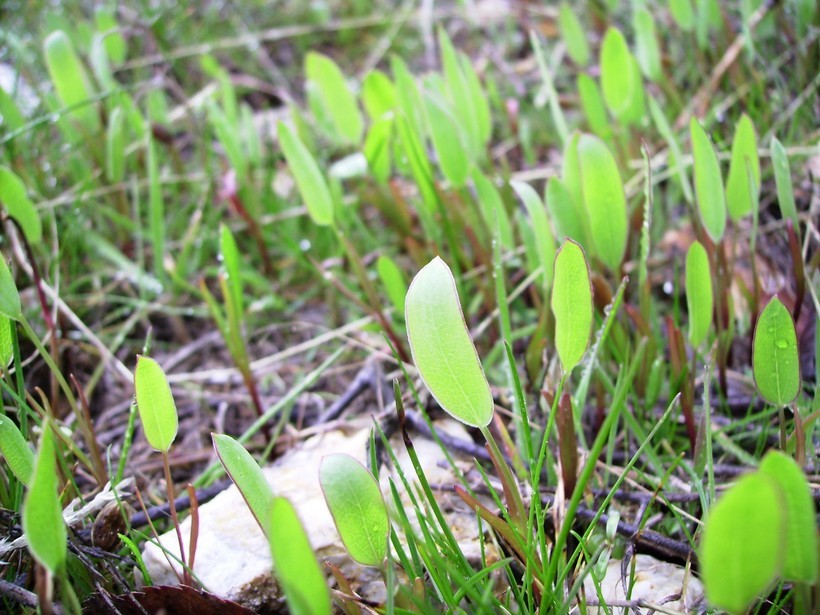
{"type": "Point", "coordinates": [637, 316]}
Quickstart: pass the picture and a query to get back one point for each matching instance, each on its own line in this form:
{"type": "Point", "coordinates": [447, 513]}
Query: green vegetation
{"type": "Point", "coordinates": [243, 193]}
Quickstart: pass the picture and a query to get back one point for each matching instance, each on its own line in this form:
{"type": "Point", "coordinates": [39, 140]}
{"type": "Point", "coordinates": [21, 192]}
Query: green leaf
{"type": "Point", "coordinates": [573, 34]}
{"type": "Point", "coordinates": [115, 147]}
{"type": "Point", "coordinates": [800, 544]}
{"type": "Point", "coordinates": [538, 222]}
{"type": "Point", "coordinates": [6, 342]}
{"type": "Point", "coordinates": [740, 551]}
{"type": "Point", "coordinates": [336, 96]}
{"type": "Point", "coordinates": [294, 563]}
{"type": "Point", "coordinates": [107, 24]}
{"type": "Point", "coordinates": [355, 501]}
{"type": "Point", "coordinates": [393, 281]}
{"type": "Point", "coordinates": [230, 264]}
{"type": "Point", "coordinates": [699, 300]}
{"type": "Point", "coordinates": [309, 179]}
{"type": "Point", "coordinates": [775, 359]}
{"type": "Point", "coordinates": [647, 51]}
{"type": "Point", "coordinates": [9, 297]}
{"type": "Point", "coordinates": [481, 106]}
{"type": "Point", "coordinates": [709, 192]}
{"type": "Point", "coordinates": [493, 211]}
{"type": "Point", "coordinates": [604, 200]}
{"type": "Point", "coordinates": [460, 94]}
{"type": "Point", "coordinates": [43, 522]}
{"type": "Point", "coordinates": [739, 196]}
{"type": "Point", "coordinates": [442, 350]}
{"type": "Point", "coordinates": [620, 78]}
{"type": "Point", "coordinates": [70, 80]}
{"type": "Point", "coordinates": [11, 119]}
{"type": "Point", "coordinates": [676, 157]}
{"type": "Point", "coordinates": [447, 140]}
{"type": "Point", "coordinates": [571, 304]}
{"type": "Point", "coordinates": [15, 449]}
{"type": "Point", "coordinates": [378, 95]}
{"type": "Point", "coordinates": [246, 475]}
{"type": "Point", "coordinates": [377, 147]}
{"type": "Point", "coordinates": [783, 179]}
{"type": "Point", "coordinates": [227, 133]}
{"type": "Point", "coordinates": [565, 213]}
{"type": "Point", "coordinates": [158, 412]}
{"type": "Point", "coordinates": [19, 206]}
{"type": "Point", "coordinates": [683, 14]}
{"type": "Point", "coordinates": [593, 106]}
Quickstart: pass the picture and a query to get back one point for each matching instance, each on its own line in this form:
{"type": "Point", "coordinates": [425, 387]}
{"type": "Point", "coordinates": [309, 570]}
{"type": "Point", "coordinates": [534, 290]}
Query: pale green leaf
{"type": "Point", "coordinates": [356, 503]}
{"type": "Point", "coordinates": [70, 79]}
{"type": "Point", "coordinates": [775, 358]}
{"type": "Point", "coordinates": [6, 342]}
{"type": "Point", "coordinates": [15, 449]}
{"type": "Point", "coordinates": [683, 14]}
{"type": "Point", "coordinates": [783, 179]}
{"type": "Point", "coordinates": [14, 198]}
{"type": "Point", "coordinates": [493, 211]}
{"type": "Point", "coordinates": [699, 299]}
{"type": "Point", "coordinates": [567, 216]}
{"type": "Point", "coordinates": [539, 223]}
{"type": "Point", "coordinates": [157, 409]}
{"type": "Point", "coordinates": [338, 100]}
{"type": "Point", "coordinates": [393, 281]}
{"type": "Point", "coordinates": [309, 179]}
{"type": "Point", "coordinates": [675, 155]}
{"type": "Point", "coordinates": [741, 546]}
{"type": "Point", "coordinates": [709, 193]}
{"type": "Point", "coordinates": [571, 304]}
{"type": "Point", "coordinates": [604, 200]}
{"type": "Point", "coordinates": [741, 197]}
{"type": "Point", "coordinates": [9, 297]}
{"type": "Point", "coordinates": [231, 260]}
{"type": "Point", "coordinates": [573, 34]}
{"type": "Point", "coordinates": [106, 23]}
{"type": "Point", "coordinates": [593, 106]}
{"type": "Point", "coordinates": [377, 146]}
{"type": "Point", "coordinates": [294, 562]}
{"type": "Point", "coordinates": [800, 544]}
{"type": "Point", "coordinates": [620, 77]}
{"type": "Point", "coordinates": [43, 523]}
{"type": "Point", "coordinates": [246, 475]}
{"type": "Point", "coordinates": [378, 94]}
{"type": "Point", "coordinates": [647, 51]}
{"type": "Point", "coordinates": [442, 350]}
{"type": "Point", "coordinates": [447, 140]}
{"type": "Point", "coordinates": [459, 93]}
{"type": "Point", "coordinates": [115, 147]}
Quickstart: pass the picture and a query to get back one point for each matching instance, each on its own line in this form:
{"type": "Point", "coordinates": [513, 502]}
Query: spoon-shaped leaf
{"type": "Point", "coordinates": [604, 200]}
{"type": "Point", "coordinates": [447, 140]}
{"type": "Point", "coordinates": [683, 14]}
{"type": "Point", "coordinates": [699, 300]}
{"type": "Point", "coordinates": [309, 179]}
{"type": "Point", "coordinates": [294, 563]}
{"type": "Point", "coordinates": [620, 78]}
{"type": "Point", "coordinates": [378, 94]}
{"type": "Point", "coordinates": [783, 179]}
{"type": "Point", "coordinates": [575, 38]}
{"type": "Point", "coordinates": [442, 350]}
{"type": "Point", "coordinates": [338, 100]}
{"type": "Point", "coordinates": [246, 475]}
{"type": "Point", "coordinates": [709, 192]}
{"type": "Point", "coordinates": [70, 79]}
{"type": "Point", "coordinates": [775, 358]}
{"type": "Point", "coordinates": [741, 197]}
{"type": "Point", "coordinates": [740, 551]}
{"type": "Point", "coordinates": [544, 241]}
{"type": "Point", "coordinates": [571, 304]}
{"type": "Point", "coordinates": [43, 522]}
{"type": "Point", "coordinates": [15, 450]}
{"type": "Point", "coordinates": [9, 297]}
{"type": "Point", "coordinates": [800, 544]}
{"type": "Point", "coordinates": [158, 412]}
{"type": "Point", "coordinates": [356, 503]}
{"type": "Point", "coordinates": [15, 200]}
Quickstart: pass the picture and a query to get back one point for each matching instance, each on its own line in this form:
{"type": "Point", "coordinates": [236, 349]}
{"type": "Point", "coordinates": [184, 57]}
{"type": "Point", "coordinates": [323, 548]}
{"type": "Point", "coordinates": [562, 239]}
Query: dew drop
{"type": "Point", "coordinates": [783, 344]}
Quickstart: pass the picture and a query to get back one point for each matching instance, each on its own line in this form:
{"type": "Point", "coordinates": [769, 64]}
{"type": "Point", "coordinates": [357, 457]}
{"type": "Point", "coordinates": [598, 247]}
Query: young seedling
{"type": "Point", "coordinates": [356, 503]}
{"type": "Point", "coordinates": [246, 475]}
{"type": "Point", "coordinates": [294, 563]}
{"type": "Point", "coordinates": [160, 422]}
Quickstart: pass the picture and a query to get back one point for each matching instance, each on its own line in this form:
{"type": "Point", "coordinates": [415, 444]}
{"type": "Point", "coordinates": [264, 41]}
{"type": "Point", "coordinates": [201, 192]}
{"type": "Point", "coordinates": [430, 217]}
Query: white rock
{"type": "Point", "coordinates": [654, 582]}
